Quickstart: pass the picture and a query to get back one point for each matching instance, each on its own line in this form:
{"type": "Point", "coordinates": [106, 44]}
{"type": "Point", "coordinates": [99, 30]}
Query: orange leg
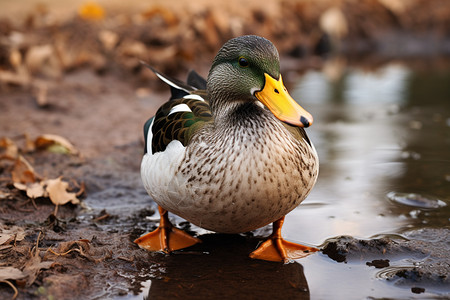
{"type": "Point", "coordinates": [166, 237]}
{"type": "Point", "coordinates": [275, 248]}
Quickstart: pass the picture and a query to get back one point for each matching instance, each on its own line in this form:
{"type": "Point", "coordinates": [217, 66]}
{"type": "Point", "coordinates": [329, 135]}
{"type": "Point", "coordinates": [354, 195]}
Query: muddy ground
{"type": "Point", "coordinates": [99, 99]}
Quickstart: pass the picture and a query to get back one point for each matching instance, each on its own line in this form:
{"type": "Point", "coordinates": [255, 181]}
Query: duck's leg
{"type": "Point", "coordinates": [277, 249]}
{"type": "Point", "coordinates": [166, 237]}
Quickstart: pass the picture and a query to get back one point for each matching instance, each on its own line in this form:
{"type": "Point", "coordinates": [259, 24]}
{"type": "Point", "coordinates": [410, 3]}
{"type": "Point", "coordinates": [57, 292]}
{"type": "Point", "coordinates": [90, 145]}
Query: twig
{"type": "Point", "coordinates": [37, 243]}
{"type": "Point", "coordinates": [105, 216]}
{"type": "Point", "coordinates": [125, 258]}
{"type": "Point", "coordinates": [82, 189]}
{"type": "Point", "coordinates": [34, 204]}
{"type": "Point", "coordinates": [63, 254]}
{"type": "Point", "coordinates": [18, 208]}
{"type": "Point", "coordinates": [16, 292]}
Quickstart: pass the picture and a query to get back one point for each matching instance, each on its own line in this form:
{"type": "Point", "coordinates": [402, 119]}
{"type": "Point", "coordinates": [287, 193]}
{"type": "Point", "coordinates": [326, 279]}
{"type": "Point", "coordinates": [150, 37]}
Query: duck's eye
{"type": "Point", "coordinates": [243, 62]}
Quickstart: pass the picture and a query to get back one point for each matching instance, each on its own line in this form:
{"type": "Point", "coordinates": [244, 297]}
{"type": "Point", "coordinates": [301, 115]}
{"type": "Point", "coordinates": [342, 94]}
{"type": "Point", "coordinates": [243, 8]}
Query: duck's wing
{"type": "Point", "coordinates": [178, 119]}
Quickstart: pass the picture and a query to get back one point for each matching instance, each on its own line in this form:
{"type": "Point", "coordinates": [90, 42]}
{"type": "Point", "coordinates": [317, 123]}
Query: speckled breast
{"type": "Point", "coordinates": [245, 185]}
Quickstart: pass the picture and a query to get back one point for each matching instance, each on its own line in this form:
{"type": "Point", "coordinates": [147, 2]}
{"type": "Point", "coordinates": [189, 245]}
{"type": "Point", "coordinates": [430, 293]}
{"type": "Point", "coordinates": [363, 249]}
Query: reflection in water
{"type": "Point", "coordinates": [385, 85]}
{"type": "Point", "coordinates": [378, 132]}
{"type": "Point", "coordinates": [371, 142]}
{"type": "Point", "coordinates": [219, 268]}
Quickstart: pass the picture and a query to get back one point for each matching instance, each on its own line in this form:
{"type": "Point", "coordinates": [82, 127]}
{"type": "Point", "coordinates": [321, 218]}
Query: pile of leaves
{"type": "Point", "coordinates": [176, 38]}
{"type": "Point", "coordinates": [25, 178]}
{"type": "Point", "coordinates": [28, 263]}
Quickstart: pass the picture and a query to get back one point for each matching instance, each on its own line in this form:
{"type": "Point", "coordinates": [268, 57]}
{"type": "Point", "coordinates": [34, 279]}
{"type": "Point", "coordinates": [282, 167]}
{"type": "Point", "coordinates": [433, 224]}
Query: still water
{"type": "Point", "coordinates": [378, 133]}
{"type": "Point", "coordinates": [383, 139]}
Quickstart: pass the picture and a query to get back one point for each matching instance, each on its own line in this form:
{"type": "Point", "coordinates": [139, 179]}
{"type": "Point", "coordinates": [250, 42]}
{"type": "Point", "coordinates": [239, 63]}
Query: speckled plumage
{"type": "Point", "coordinates": [228, 165]}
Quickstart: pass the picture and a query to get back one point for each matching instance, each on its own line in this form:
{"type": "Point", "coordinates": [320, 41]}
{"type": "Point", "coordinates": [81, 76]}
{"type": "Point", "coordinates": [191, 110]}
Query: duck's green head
{"type": "Point", "coordinates": [247, 68]}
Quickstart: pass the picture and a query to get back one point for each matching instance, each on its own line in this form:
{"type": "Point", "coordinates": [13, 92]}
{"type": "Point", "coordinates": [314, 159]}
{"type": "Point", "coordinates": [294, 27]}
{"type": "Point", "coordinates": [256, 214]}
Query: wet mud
{"type": "Point", "coordinates": [427, 268]}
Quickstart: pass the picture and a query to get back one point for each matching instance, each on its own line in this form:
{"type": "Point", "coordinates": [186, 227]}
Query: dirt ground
{"type": "Point", "coordinates": [80, 79]}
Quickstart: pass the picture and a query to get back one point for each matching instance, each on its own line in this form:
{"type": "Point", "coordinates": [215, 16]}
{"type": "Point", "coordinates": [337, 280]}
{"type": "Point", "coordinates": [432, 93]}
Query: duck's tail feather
{"type": "Point", "coordinates": [194, 79]}
{"type": "Point", "coordinates": [178, 88]}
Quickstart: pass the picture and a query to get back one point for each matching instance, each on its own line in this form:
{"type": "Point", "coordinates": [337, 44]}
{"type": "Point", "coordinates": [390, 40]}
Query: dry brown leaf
{"type": "Point", "coordinates": [20, 186]}
{"type": "Point", "coordinates": [5, 195]}
{"type": "Point", "coordinates": [10, 273]}
{"type": "Point", "coordinates": [23, 172]}
{"type": "Point", "coordinates": [58, 194]}
{"type": "Point", "coordinates": [55, 143]}
{"type": "Point", "coordinates": [67, 246]}
{"type": "Point", "coordinates": [109, 39]}
{"type": "Point", "coordinates": [35, 190]}
{"type": "Point", "coordinates": [91, 11]}
{"type": "Point", "coordinates": [40, 93]}
{"type": "Point", "coordinates": [42, 59]}
{"type": "Point", "coordinates": [14, 233]}
{"type": "Point", "coordinates": [6, 238]}
{"type": "Point", "coordinates": [11, 149]}
{"type": "Point", "coordinates": [29, 144]}
{"type": "Point", "coordinates": [15, 58]}
{"type": "Point", "coordinates": [14, 78]}
{"type": "Point", "coordinates": [34, 266]}
{"type": "Point", "coordinates": [166, 14]}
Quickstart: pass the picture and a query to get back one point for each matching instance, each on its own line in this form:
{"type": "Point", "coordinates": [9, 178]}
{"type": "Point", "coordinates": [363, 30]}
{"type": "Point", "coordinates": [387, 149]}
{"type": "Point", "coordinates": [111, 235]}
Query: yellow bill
{"type": "Point", "coordinates": [277, 99]}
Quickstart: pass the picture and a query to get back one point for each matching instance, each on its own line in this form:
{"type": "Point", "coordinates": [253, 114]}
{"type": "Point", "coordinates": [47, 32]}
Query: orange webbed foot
{"type": "Point", "coordinates": [166, 237]}
{"type": "Point", "coordinates": [275, 248]}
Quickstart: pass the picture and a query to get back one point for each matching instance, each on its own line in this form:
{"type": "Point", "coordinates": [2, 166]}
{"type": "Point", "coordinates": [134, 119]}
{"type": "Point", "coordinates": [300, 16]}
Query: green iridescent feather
{"type": "Point", "coordinates": [180, 125]}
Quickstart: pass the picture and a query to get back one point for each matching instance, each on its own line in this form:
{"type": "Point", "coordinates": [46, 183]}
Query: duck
{"type": "Point", "coordinates": [229, 154]}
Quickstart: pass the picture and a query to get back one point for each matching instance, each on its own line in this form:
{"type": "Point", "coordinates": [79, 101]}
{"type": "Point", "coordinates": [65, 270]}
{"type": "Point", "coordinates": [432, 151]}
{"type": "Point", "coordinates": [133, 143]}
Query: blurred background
{"type": "Point", "coordinates": [50, 38]}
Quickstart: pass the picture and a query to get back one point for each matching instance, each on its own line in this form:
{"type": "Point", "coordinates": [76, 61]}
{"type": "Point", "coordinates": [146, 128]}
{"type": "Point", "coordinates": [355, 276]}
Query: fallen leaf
{"type": "Point", "coordinates": [20, 186]}
{"type": "Point", "coordinates": [166, 14]}
{"type": "Point", "coordinates": [40, 94]}
{"type": "Point", "coordinates": [15, 58]}
{"type": "Point", "coordinates": [91, 11]}
{"type": "Point", "coordinates": [5, 195]}
{"type": "Point", "coordinates": [22, 171]}
{"type": "Point", "coordinates": [42, 59]}
{"type": "Point", "coordinates": [55, 143]}
{"type": "Point", "coordinates": [14, 78]}
{"type": "Point", "coordinates": [35, 190]}
{"type": "Point", "coordinates": [334, 22]}
{"type": "Point", "coordinates": [109, 39]}
{"type": "Point", "coordinates": [14, 233]}
{"type": "Point", "coordinates": [10, 273]}
{"type": "Point", "coordinates": [11, 149]}
{"type": "Point", "coordinates": [5, 238]}
{"type": "Point", "coordinates": [57, 192]}
{"type": "Point", "coordinates": [29, 144]}
{"type": "Point", "coordinates": [65, 247]}
{"type": "Point", "coordinates": [34, 266]}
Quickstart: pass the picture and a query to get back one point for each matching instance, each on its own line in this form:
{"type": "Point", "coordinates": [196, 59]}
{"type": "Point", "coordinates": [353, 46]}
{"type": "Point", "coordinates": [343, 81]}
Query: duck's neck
{"type": "Point", "coordinates": [241, 114]}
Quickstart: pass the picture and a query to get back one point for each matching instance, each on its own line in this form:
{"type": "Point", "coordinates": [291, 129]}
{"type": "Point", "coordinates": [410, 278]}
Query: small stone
{"type": "Point", "coordinates": [417, 290]}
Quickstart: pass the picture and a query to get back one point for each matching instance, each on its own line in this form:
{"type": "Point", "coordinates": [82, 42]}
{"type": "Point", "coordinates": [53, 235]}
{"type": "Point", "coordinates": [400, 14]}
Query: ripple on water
{"type": "Point", "coordinates": [416, 200]}
{"type": "Point", "coordinates": [391, 272]}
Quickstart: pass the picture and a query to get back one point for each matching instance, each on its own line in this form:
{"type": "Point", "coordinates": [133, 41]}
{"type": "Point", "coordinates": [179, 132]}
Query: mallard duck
{"type": "Point", "coordinates": [229, 154]}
